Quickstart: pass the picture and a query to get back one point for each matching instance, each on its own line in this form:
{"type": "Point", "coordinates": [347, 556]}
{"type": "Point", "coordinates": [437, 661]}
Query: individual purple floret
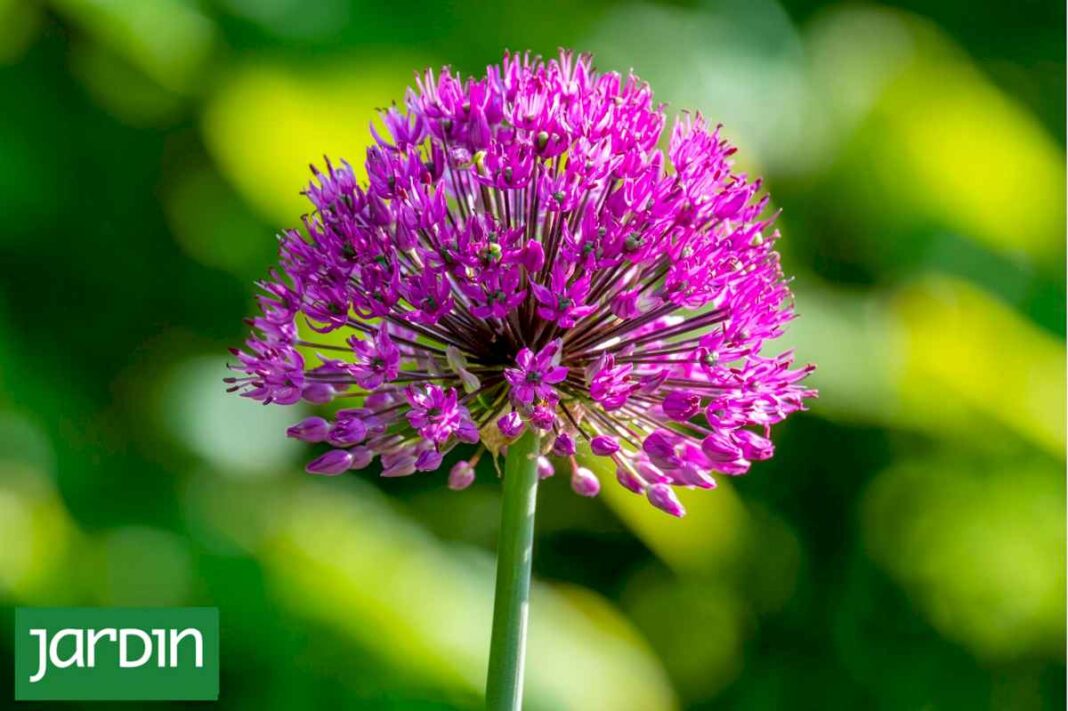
{"type": "Point", "coordinates": [522, 254]}
{"type": "Point", "coordinates": [536, 375]}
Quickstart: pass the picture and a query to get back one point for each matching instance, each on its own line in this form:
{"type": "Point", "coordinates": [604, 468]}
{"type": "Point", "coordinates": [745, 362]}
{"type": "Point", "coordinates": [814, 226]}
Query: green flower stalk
{"type": "Point", "coordinates": [515, 553]}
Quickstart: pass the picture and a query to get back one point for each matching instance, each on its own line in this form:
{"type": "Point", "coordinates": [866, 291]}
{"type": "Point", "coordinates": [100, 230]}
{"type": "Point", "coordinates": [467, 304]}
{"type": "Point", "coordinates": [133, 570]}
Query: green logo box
{"type": "Point", "coordinates": [117, 654]}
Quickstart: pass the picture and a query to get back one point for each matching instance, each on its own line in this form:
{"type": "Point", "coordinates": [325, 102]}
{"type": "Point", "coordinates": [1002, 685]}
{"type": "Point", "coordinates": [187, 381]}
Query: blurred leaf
{"type": "Point", "coordinates": [139, 566]}
{"type": "Point", "coordinates": [962, 347]}
{"type": "Point", "coordinates": [19, 23]}
{"type": "Point", "coordinates": [267, 121]}
{"type": "Point", "coordinates": [738, 62]}
{"type": "Point", "coordinates": [126, 92]}
{"type": "Point", "coordinates": [340, 555]}
{"type": "Point", "coordinates": [981, 549]}
{"type": "Point", "coordinates": [241, 437]}
{"type": "Point", "coordinates": [946, 146]}
{"type": "Point", "coordinates": [39, 534]}
{"type": "Point", "coordinates": [169, 40]}
{"type": "Point", "coordinates": [848, 334]}
{"type": "Point", "coordinates": [938, 356]}
{"type": "Point", "coordinates": [855, 52]}
{"type": "Point", "coordinates": [696, 628]}
{"type": "Point", "coordinates": [708, 538]}
{"type": "Point", "coordinates": [213, 225]}
{"type": "Point", "coordinates": [294, 19]}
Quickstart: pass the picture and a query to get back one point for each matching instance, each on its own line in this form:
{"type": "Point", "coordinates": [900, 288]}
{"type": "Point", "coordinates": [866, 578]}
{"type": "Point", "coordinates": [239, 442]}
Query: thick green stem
{"type": "Point", "coordinates": [515, 547]}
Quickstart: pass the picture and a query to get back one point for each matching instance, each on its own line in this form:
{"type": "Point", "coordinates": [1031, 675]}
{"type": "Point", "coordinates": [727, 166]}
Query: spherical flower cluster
{"type": "Point", "coordinates": [522, 254]}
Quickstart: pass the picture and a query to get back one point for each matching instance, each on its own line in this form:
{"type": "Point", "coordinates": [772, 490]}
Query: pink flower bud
{"type": "Point", "coordinates": [651, 473]}
{"type": "Point", "coordinates": [533, 257]}
{"type": "Point", "coordinates": [543, 417]}
{"type": "Point", "coordinates": [720, 447]}
{"type": "Point", "coordinates": [334, 462]}
{"type": "Point", "coordinates": [511, 425]}
{"type": "Point", "coordinates": [379, 399]}
{"type": "Point", "coordinates": [428, 460]}
{"type": "Point", "coordinates": [347, 431]}
{"type": "Point", "coordinates": [681, 405]}
{"type": "Point", "coordinates": [651, 383]}
{"type": "Point", "coordinates": [312, 429]}
{"type": "Point", "coordinates": [461, 476]}
{"type": "Point", "coordinates": [361, 457]}
{"type": "Point", "coordinates": [318, 393]}
{"type": "Point", "coordinates": [584, 482]}
{"type": "Point", "coordinates": [398, 462]}
{"type": "Point", "coordinates": [604, 446]}
{"type": "Point", "coordinates": [564, 446]}
{"type": "Point", "coordinates": [662, 497]}
{"type": "Point", "coordinates": [689, 475]}
{"type": "Point", "coordinates": [629, 480]}
{"type": "Point", "coordinates": [625, 304]}
{"type": "Point", "coordinates": [753, 445]}
{"type": "Point", "coordinates": [735, 468]}
{"type": "Point", "coordinates": [545, 468]}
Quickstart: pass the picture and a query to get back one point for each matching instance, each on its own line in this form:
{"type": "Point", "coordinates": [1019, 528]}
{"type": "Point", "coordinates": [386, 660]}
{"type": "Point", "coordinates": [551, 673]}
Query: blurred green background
{"type": "Point", "coordinates": [904, 550]}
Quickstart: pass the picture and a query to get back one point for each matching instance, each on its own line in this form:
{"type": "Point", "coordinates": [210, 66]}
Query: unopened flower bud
{"type": "Point", "coordinates": [398, 466]}
{"type": "Point", "coordinates": [651, 383]}
{"type": "Point", "coordinates": [428, 460]}
{"type": "Point", "coordinates": [318, 393]}
{"type": "Point", "coordinates": [361, 457]}
{"type": "Point", "coordinates": [564, 446]}
{"type": "Point", "coordinates": [629, 480]}
{"type": "Point", "coordinates": [681, 405]}
{"type": "Point", "coordinates": [662, 497]}
{"type": "Point", "coordinates": [511, 424]}
{"type": "Point", "coordinates": [651, 473]}
{"type": "Point", "coordinates": [584, 482]}
{"type": "Point", "coordinates": [753, 445]}
{"type": "Point", "coordinates": [543, 417]}
{"type": "Point", "coordinates": [533, 257]}
{"type": "Point", "coordinates": [312, 429]}
{"type": "Point", "coordinates": [334, 462]}
{"type": "Point", "coordinates": [347, 431]}
{"type": "Point", "coordinates": [720, 447]}
{"type": "Point", "coordinates": [625, 304]}
{"type": "Point", "coordinates": [461, 476]}
{"type": "Point", "coordinates": [604, 446]}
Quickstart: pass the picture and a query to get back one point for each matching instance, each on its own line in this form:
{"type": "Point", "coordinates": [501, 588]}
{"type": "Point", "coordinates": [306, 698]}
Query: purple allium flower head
{"type": "Point", "coordinates": [523, 254]}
